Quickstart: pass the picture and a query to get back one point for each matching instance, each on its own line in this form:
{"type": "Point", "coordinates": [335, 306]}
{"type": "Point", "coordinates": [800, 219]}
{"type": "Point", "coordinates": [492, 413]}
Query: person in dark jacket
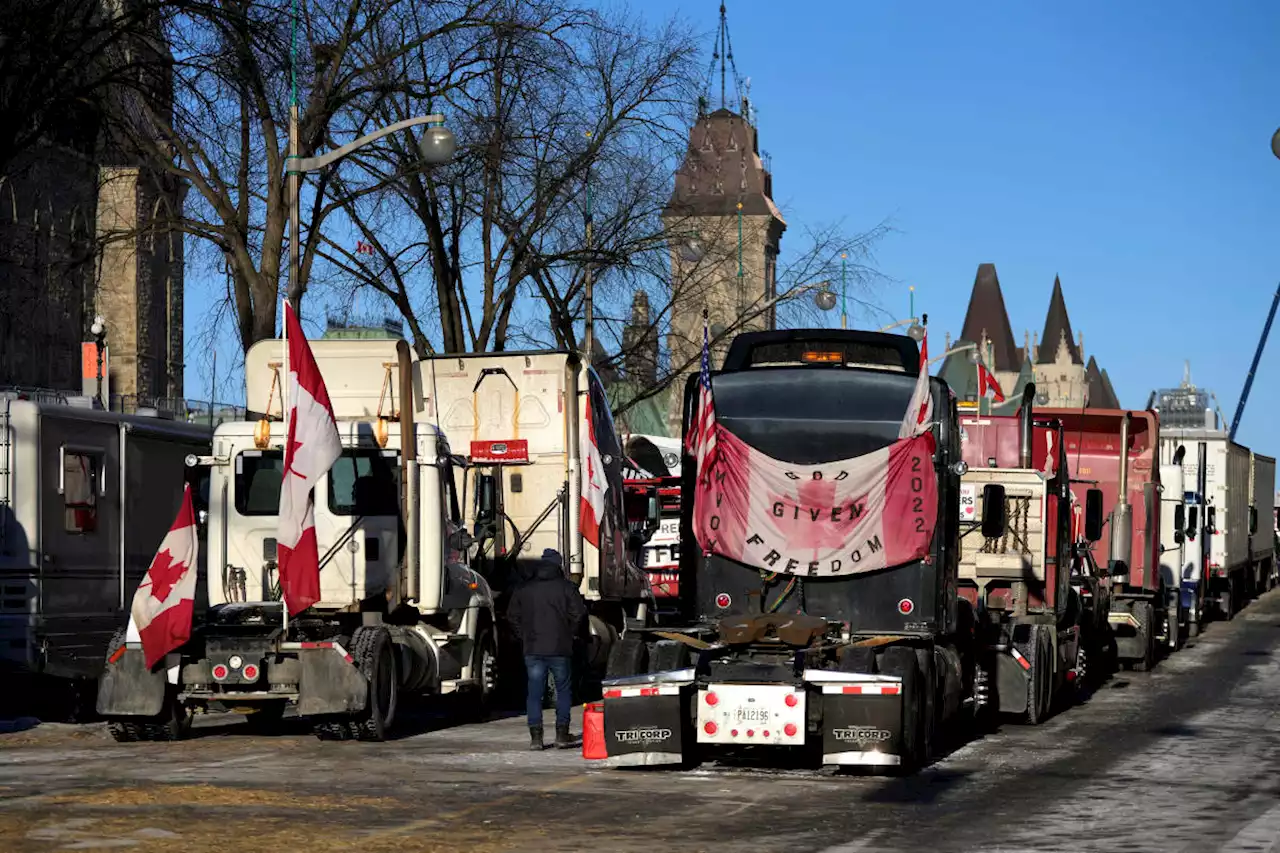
{"type": "Point", "coordinates": [546, 613]}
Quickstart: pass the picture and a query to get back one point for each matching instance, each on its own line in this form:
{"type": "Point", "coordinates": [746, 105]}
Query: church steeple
{"type": "Point", "coordinates": [1057, 330]}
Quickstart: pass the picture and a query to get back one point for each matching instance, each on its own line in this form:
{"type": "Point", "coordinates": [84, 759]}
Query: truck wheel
{"type": "Point", "coordinates": [900, 661]}
{"type": "Point", "coordinates": [374, 653]}
{"type": "Point", "coordinates": [929, 705]}
{"type": "Point", "coordinates": [1144, 611]}
{"type": "Point", "coordinates": [669, 655]}
{"type": "Point", "coordinates": [267, 719]}
{"type": "Point", "coordinates": [629, 656]}
{"type": "Point", "coordinates": [484, 668]}
{"type": "Point", "coordinates": [172, 723]}
{"type": "Point", "coordinates": [1039, 653]}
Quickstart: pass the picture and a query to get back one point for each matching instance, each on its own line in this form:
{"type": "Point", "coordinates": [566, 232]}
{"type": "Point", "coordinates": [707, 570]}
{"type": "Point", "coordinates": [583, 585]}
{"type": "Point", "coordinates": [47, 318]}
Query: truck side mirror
{"type": "Point", "coordinates": [486, 498]}
{"type": "Point", "coordinates": [653, 515]}
{"type": "Point", "coordinates": [1253, 520]}
{"type": "Point", "coordinates": [993, 510]}
{"type": "Point", "coordinates": [1093, 515]}
{"type": "Point", "coordinates": [1179, 520]}
{"type": "Point", "coordinates": [1192, 526]}
{"type": "Point", "coordinates": [1211, 519]}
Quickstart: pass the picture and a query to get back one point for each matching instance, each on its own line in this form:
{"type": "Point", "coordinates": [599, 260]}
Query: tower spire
{"type": "Point", "coordinates": [722, 55]}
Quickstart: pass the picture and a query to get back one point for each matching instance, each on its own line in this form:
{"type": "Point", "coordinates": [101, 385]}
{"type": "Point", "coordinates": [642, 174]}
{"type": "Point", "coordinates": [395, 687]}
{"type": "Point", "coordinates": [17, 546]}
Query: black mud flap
{"type": "Point", "coordinates": [1013, 676]}
{"type": "Point", "coordinates": [862, 722]}
{"type": "Point", "coordinates": [647, 726]}
{"type": "Point", "coordinates": [330, 683]}
{"type": "Point", "coordinates": [128, 689]}
{"type": "Point", "coordinates": [1130, 639]}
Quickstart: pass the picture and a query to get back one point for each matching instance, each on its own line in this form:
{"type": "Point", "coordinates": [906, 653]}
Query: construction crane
{"type": "Point", "coordinates": [1257, 356]}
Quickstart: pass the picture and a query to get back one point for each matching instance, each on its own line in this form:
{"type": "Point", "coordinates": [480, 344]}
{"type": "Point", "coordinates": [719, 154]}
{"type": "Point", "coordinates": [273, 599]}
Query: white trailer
{"type": "Point", "coordinates": [400, 609]}
{"type": "Point", "coordinates": [1262, 493]}
{"type": "Point", "coordinates": [1226, 516]}
{"type": "Point", "coordinates": [528, 422]}
{"type": "Point", "coordinates": [86, 496]}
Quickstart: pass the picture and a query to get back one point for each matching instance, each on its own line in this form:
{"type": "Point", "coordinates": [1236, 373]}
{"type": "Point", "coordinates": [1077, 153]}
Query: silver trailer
{"type": "Point", "coordinates": [86, 496]}
{"type": "Point", "coordinates": [1262, 543]}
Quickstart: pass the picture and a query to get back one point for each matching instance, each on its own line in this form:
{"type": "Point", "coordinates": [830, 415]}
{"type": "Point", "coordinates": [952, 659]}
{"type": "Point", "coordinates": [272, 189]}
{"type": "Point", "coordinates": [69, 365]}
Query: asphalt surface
{"type": "Point", "coordinates": [1186, 758]}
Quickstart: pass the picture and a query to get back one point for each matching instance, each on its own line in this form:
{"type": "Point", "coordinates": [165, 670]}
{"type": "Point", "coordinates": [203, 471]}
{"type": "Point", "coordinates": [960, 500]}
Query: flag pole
{"type": "Point", "coordinates": [284, 413]}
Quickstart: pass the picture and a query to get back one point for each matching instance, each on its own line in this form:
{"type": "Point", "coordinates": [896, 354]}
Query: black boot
{"type": "Point", "coordinates": [564, 740]}
{"type": "Point", "coordinates": [535, 738]}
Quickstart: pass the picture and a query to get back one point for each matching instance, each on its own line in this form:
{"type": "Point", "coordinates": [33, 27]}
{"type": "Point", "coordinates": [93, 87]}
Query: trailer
{"type": "Point", "coordinates": [545, 466]}
{"type": "Point", "coordinates": [1225, 515]}
{"type": "Point", "coordinates": [842, 668]}
{"type": "Point", "coordinates": [1113, 455]}
{"type": "Point", "coordinates": [400, 611]}
{"type": "Point", "coordinates": [1262, 491]}
{"type": "Point", "coordinates": [86, 495]}
{"type": "Point", "coordinates": [1035, 635]}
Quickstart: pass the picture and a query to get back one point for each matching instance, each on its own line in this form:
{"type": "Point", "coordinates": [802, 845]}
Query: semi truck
{"type": "Point", "coordinates": [1113, 453]}
{"type": "Point", "coordinates": [545, 467]}
{"type": "Point", "coordinates": [1184, 531]}
{"type": "Point", "coordinates": [400, 611]}
{"type": "Point", "coordinates": [1035, 634]}
{"type": "Point", "coordinates": [866, 669]}
{"type": "Point", "coordinates": [86, 495]}
{"type": "Point", "coordinates": [1227, 566]}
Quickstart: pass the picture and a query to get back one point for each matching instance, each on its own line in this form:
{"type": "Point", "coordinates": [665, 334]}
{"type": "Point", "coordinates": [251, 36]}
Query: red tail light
{"type": "Point", "coordinates": [710, 728]}
{"type": "Point", "coordinates": [250, 672]}
{"type": "Point", "coordinates": [712, 699]}
{"type": "Point", "coordinates": [790, 730]}
{"type": "Point", "coordinates": [220, 672]}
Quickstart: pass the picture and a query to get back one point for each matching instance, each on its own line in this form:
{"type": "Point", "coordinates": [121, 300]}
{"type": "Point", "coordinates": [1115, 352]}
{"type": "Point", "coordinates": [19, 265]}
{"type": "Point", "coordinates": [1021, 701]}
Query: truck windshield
{"type": "Point", "coordinates": [258, 477]}
{"type": "Point", "coordinates": [365, 482]}
{"type": "Point", "coordinates": [807, 415]}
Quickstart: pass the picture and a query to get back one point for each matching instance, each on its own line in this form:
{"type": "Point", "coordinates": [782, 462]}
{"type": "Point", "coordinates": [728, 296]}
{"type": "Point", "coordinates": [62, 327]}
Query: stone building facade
{"type": "Point", "coordinates": [1053, 360]}
{"type": "Point", "coordinates": [724, 231]}
{"type": "Point", "coordinates": [87, 228]}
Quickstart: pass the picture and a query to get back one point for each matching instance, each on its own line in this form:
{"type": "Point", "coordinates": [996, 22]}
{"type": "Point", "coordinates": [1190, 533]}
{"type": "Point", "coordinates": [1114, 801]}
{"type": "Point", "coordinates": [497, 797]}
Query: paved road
{"type": "Point", "coordinates": [1183, 759]}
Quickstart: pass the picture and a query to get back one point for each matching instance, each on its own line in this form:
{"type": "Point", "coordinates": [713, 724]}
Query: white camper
{"type": "Point", "coordinates": [400, 609]}
{"type": "Point", "coordinates": [546, 473]}
{"type": "Point", "coordinates": [86, 496]}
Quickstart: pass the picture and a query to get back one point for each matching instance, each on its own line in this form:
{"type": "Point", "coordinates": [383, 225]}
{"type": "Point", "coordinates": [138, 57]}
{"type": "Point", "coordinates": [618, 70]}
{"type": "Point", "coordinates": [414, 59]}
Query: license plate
{"type": "Point", "coordinates": [751, 715]}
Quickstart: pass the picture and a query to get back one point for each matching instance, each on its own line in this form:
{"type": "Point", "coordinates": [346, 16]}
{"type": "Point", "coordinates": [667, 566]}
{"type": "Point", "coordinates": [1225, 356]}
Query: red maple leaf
{"type": "Point", "coordinates": [807, 532]}
{"type": "Point", "coordinates": [290, 455]}
{"type": "Point", "coordinates": [164, 574]}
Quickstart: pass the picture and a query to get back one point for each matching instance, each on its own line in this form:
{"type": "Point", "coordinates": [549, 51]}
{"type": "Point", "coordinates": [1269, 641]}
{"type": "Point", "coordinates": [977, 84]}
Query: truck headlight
{"type": "Point", "coordinates": [960, 468]}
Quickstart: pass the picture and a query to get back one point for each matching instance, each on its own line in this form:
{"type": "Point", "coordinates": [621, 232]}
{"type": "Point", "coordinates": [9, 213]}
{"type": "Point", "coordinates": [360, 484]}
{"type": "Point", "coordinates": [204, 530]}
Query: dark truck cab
{"type": "Point", "coordinates": [859, 669]}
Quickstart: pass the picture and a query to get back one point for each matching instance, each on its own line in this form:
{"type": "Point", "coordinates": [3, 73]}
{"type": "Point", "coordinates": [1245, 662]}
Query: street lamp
{"type": "Point", "coordinates": [973, 358]}
{"type": "Point", "coordinates": [436, 146]}
{"type": "Point", "coordinates": [99, 332]}
{"type": "Point", "coordinates": [1275, 143]}
{"type": "Point", "coordinates": [914, 331]}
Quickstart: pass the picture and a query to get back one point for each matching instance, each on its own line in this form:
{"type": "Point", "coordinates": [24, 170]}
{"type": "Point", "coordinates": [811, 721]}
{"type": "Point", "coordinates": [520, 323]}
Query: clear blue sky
{"type": "Point", "coordinates": [1122, 146]}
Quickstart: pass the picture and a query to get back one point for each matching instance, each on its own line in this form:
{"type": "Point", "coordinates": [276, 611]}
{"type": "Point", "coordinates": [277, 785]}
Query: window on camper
{"type": "Point", "coordinates": [365, 482]}
{"type": "Point", "coordinates": [80, 472]}
{"type": "Point", "coordinates": [258, 477]}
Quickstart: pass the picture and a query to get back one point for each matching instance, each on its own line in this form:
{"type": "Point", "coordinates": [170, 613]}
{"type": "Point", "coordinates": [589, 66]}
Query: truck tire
{"type": "Point", "coordinates": [929, 687]}
{"type": "Point", "coordinates": [172, 723]}
{"type": "Point", "coordinates": [629, 656]}
{"type": "Point", "coordinates": [901, 661]}
{"type": "Point", "coordinates": [1039, 653]}
{"type": "Point", "coordinates": [374, 655]}
{"type": "Point", "coordinates": [484, 668]}
{"type": "Point", "coordinates": [1144, 612]}
{"type": "Point", "coordinates": [669, 655]}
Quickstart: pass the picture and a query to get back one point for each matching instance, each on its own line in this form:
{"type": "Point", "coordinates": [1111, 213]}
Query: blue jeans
{"type": "Point", "coordinates": [537, 666]}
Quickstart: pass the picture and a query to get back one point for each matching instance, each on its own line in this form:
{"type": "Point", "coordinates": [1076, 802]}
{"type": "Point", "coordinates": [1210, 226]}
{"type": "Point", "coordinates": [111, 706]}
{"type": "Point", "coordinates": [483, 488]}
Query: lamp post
{"type": "Point", "coordinates": [844, 291]}
{"type": "Point", "coordinates": [99, 332]}
{"type": "Point", "coordinates": [972, 349]}
{"type": "Point", "coordinates": [436, 146]}
{"type": "Point", "coordinates": [914, 330]}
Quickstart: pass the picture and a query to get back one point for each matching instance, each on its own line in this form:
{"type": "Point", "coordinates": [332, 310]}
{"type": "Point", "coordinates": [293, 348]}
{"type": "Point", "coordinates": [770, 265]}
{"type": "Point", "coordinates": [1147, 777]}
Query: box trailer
{"type": "Point", "coordinates": [86, 495]}
{"type": "Point", "coordinates": [1227, 470]}
{"type": "Point", "coordinates": [1262, 491]}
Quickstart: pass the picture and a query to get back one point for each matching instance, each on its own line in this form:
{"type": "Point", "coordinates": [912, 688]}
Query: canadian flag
{"type": "Point", "coordinates": [311, 448]}
{"type": "Point", "coordinates": [920, 411]}
{"type": "Point", "coordinates": [162, 606]}
{"type": "Point", "coordinates": [987, 384]}
{"type": "Point", "coordinates": [594, 483]}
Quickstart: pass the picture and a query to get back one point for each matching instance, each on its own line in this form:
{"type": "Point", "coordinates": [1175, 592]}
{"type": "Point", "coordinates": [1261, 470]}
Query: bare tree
{"type": "Point", "coordinates": [225, 132]}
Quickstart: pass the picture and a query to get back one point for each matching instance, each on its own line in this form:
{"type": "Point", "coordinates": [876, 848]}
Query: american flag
{"type": "Point", "coordinates": [701, 441]}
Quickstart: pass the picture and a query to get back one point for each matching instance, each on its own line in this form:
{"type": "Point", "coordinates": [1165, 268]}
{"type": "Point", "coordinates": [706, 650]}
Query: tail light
{"type": "Point", "coordinates": [710, 728]}
{"type": "Point", "coordinates": [250, 672]}
{"type": "Point", "coordinates": [220, 672]}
